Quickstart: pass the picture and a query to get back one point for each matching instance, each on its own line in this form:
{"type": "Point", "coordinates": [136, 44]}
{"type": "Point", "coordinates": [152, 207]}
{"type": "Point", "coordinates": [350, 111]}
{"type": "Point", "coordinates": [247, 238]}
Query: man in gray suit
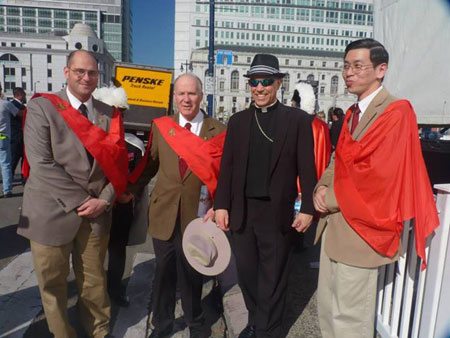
{"type": "Point", "coordinates": [66, 203]}
{"type": "Point", "coordinates": [362, 196]}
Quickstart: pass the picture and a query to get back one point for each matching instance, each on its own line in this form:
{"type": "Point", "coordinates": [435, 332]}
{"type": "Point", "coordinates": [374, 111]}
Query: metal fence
{"type": "Point", "coordinates": [414, 303]}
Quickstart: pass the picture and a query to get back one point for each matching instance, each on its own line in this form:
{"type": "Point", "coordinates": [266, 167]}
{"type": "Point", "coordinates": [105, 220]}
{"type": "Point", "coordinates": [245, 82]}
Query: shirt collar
{"type": "Point", "coordinates": [267, 108]}
{"type": "Point", "coordinates": [75, 103]}
{"type": "Point", "coordinates": [196, 123]}
{"type": "Point", "coordinates": [364, 103]}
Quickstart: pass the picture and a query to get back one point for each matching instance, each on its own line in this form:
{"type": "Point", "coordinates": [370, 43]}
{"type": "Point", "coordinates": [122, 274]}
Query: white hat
{"type": "Point", "coordinates": [206, 247]}
{"type": "Point", "coordinates": [307, 97]}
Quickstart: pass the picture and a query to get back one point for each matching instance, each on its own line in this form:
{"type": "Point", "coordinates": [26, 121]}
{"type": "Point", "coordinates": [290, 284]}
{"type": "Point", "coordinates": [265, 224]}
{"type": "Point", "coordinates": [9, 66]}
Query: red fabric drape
{"type": "Point", "coordinates": [381, 181]}
{"type": "Point", "coordinates": [107, 148]}
{"type": "Point", "coordinates": [202, 156]}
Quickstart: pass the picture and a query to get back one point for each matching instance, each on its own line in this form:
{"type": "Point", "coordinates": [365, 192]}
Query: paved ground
{"type": "Point", "coordinates": [21, 313]}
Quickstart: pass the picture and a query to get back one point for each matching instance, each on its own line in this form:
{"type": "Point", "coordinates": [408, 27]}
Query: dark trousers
{"type": "Point", "coordinates": [262, 257]}
{"type": "Point", "coordinates": [16, 153]}
{"type": "Point", "coordinates": [122, 215]}
{"type": "Point", "coordinates": [172, 266]}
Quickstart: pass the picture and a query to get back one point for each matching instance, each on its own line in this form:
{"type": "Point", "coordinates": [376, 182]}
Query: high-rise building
{"type": "Point", "coordinates": [111, 20]}
{"type": "Point", "coordinates": [308, 36]}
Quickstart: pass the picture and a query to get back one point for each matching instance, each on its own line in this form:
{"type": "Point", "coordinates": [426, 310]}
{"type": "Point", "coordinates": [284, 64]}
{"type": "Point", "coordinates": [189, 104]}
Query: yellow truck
{"type": "Point", "coordinates": [149, 91]}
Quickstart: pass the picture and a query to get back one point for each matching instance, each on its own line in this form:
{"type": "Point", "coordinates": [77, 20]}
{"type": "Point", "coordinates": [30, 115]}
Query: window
{"type": "Point", "coordinates": [49, 87]}
{"type": "Point", "coordinates": [10, 71]}
{"type": "Point", "coordinates": [285, 83]}
{"type": "Point", "coordinates": [49, 73]}
{"type": "Point", "coordinates": [299, 62]}
{"type": "Point", "coordinates": [24, 72]}
{"type": "Point", "coordinates": [49, 59]}
{"type": "Point", "coordinates": [311, 63]}
{"type": "Point", "coordinates": [221, 86]}
{"type": "Point", "coordinates": [24, 86]}
{"type": "Point", "coordinates": [323, 76]}
{"type": "Point", "coordinates": [249, 59]}
{"type": "Point", "coordinates": [235, 80]}
{"type": "Point", "coordinates": [220, 98]}
{"type": "Point", "coordinates": [324, 63]}
{"type": "Point", "coordinates": [222, 72]}
{"type": "Point", "coordinates": [334, 85]}
{"type": "Point", "coordinates": [322, 89]}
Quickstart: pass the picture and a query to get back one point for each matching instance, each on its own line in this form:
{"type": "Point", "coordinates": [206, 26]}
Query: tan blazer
{"type": "Point", "coordinates": [61, 177]}
{"type": "Point", "coordinates": [172, 194]}
{"type": "Point", "coordinates": [342, 243]}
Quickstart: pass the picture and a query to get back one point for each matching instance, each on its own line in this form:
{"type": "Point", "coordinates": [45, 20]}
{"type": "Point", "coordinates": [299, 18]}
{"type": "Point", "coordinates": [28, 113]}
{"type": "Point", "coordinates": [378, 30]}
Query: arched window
{"type": "Point", "coordinates": [8, 57]}
{"type": "Point", "coordinates": [234, 80]}
{"type": "Point", "coordinates": [285, 82]}
{"type": "Point", "coordinates": [334, 85]}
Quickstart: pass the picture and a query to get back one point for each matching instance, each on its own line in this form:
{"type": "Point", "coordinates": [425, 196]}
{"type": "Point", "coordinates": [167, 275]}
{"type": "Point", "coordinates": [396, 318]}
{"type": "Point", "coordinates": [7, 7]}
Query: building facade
{"type": "Point", "coordinates": [111, 20]}
{"type": "Point", "coordinates": [307, 31]}
{"type": "Point", "coordinates": [232, 92]}
{"type": "Point", "coordinates": [36, 63]}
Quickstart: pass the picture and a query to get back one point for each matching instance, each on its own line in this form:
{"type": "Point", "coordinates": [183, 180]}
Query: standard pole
{"type": "Point", "coordinates": [210, 97]}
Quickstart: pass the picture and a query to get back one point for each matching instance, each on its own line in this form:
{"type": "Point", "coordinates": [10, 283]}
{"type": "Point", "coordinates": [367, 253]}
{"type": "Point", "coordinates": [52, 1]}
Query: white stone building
{"type": "Point", "coordinates": [36, 63]}
{"type": "Point", "coordinates": [308, 30]}
{"type": "Point", "coordinates": [232, 92]}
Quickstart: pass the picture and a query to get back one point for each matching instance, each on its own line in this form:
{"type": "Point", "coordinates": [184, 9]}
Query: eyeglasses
{"type": "Point", "coordinates": [80, 72]}
{"type": "Point", "coordinates": [264, 82]}
{"type": "Point", "coordinates": [358, 68]}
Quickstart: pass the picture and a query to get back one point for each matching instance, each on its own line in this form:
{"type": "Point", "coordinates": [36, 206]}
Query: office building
{"type": "Point", "coordinates": [111, 20]}
{"type": "Point", "coordinates": [308, 36]}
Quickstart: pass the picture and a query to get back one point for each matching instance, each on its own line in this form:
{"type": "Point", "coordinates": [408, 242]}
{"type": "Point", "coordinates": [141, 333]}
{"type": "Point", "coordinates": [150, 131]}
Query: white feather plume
{"type": "Point", "coordinates": [307, 97]}
{"type": "Point", "coordinates": [114, 96]}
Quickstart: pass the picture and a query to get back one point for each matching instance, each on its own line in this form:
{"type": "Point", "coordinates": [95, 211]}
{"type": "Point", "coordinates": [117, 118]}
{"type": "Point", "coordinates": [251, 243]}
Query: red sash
{"type": "Point", "coordinates": [107, 148]}
{"type": "Point", "coordinates": [25, 165]}
{"type": "Point", "coordinates": [322, 147]}
{"type": "Point", "coordinates": [381, 181]}
{"type": "Point", "coordinates": [202, 157]}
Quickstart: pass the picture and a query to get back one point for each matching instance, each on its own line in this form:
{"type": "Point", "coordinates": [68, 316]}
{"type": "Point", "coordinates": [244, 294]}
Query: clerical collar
{"type": "Point", "coordinates": [268, 108]}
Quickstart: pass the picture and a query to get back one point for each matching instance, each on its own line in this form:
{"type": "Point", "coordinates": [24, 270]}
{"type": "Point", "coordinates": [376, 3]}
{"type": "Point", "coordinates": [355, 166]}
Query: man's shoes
{"type": "Point", "coordinates": [161, 334]}
{"type": "Point", "coordinates": [248, 332]}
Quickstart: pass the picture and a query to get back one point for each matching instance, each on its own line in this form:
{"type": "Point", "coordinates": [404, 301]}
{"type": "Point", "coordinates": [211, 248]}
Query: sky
{"type": "Point", "coordinates": [153, 32]}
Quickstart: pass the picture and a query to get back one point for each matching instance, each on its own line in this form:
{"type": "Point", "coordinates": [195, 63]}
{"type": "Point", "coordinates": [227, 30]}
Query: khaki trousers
{"type": "Point", "coordinates": [52, 269]}
{"type": "Point", "coordinates": [346, 298]}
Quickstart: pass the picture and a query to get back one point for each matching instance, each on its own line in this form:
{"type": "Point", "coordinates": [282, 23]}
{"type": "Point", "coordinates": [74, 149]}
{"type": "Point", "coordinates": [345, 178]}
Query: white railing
{"type": "Point", "coordinates": [414, 303]}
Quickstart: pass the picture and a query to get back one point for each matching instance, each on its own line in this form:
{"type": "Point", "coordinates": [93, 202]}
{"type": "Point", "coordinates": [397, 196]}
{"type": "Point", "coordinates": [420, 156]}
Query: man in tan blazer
{"type": "Point", "coordinates": [66, 203]}
{"type": "Point", "coordinates": [173, 204]}
{"type": "Point", "coordinates": [348, 265]}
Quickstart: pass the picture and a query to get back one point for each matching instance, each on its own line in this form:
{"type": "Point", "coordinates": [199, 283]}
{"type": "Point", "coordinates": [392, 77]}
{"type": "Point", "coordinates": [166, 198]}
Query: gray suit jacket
{"type": "Point", "coordinates": [61, 177]}
{"type": "Point", "coordinates": [342, 243]}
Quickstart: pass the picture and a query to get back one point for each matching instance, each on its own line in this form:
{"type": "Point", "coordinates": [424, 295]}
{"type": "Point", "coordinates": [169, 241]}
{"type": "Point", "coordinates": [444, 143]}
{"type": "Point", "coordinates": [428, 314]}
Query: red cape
{"type": "Point", "coordinates": [107, 148]}
{"type": "Point", "coordinates": [381, 181]}
{"type": "Point", "coordinates": [202, 157]}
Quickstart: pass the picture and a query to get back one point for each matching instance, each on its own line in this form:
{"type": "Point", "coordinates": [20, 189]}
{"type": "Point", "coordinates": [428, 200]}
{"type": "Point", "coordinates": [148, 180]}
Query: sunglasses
{"type": "Point", "coordinates": [264, 82]}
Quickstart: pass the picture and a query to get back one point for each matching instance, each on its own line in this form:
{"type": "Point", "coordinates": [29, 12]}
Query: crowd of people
{"type": "Point", "coordinates": [82, 188]}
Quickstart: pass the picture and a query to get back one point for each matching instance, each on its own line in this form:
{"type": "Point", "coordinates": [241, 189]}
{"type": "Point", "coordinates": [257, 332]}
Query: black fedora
{"type": "Point", "coordinates": [264, 65]}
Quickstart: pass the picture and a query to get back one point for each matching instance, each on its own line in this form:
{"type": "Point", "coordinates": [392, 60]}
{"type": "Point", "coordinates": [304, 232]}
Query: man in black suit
{"type": "Point", "coordinates": [16, 128]}
{"type": "Point", "coordinates": [267, 147]}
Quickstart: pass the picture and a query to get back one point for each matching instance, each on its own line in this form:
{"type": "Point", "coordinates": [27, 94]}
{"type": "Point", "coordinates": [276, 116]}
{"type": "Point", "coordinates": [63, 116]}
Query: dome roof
{"type": "Point", "coordinates": [81, 29]}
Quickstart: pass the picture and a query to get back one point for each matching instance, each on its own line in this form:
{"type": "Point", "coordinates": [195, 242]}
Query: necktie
{"type": "Point", "coordinates": [181, 162]}
{"type": "Point", "coordinates": [355, 117]}
{"type": "Point", "coordinates": [83, 110]}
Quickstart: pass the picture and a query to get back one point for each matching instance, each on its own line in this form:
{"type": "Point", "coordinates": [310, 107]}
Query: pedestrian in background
{"type": "Point", "coordinates": [7, 112]}
{"type": "Point", "coordinates": [17, 146]}
{"type": "Point", "coordinates": [337, 119]}
{"type": "Point", "coordinates": [78, 165]}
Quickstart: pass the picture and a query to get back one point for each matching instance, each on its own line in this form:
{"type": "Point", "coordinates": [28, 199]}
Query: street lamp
{"type": "Point", "coordinates": [34, 85]}
{"type": "Point", "coordinates": [187, 66]}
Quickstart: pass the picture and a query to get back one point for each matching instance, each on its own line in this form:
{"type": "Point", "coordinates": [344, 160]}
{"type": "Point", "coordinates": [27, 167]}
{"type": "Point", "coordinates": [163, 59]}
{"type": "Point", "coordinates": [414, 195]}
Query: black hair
{"type": "Point", "coordinates": [378, 54]}
{"type": "Point", "coordinates": [18, 90]}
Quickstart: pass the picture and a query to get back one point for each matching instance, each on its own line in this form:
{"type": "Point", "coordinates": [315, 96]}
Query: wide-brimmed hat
{"type": "Point", "coordinates": [206, 247]}
{"type": "Point", "coordinates": [265, 65]}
